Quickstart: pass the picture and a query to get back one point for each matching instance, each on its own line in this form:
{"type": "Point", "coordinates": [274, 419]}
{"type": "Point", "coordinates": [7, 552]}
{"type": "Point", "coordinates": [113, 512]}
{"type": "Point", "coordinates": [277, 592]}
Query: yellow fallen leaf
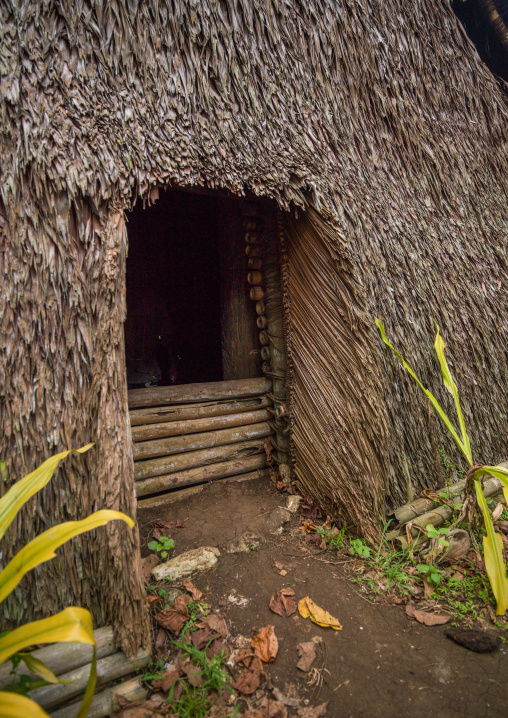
{"type": "Point", "coordinates": [308, 609]}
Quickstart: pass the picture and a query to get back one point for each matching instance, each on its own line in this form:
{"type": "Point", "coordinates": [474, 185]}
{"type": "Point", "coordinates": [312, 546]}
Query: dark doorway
{"type": "Point", "coordinates": [173, 327]}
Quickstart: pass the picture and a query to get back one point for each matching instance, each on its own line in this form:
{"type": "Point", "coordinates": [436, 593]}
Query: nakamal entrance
{"type": "Point", "coordinates": [204, 342]}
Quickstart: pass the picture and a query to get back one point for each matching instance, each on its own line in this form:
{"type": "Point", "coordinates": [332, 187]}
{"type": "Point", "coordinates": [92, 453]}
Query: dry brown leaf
{"type": "Point", "coordinates": [171, 674]}
{"type": "Point", "coordinates": [497, 512]}
{"type": "Point", "coordinates": [147, 564]}
{"type": "Point", "coordinates": [307, 653]}
{"type": "Point", "coordinates": [410, 610]}
{"type": "Point", "coordinates": [153, 599]}
{"type": "Point", "coordinates": [265, 644]}
{"type": "Point", "coordinates": [218, 648]}
{"type": "Point", "coordinates": [308, 527]}
{"type": "Point", "coordinates": [271, 709]}
{"type": "Point", "coordinates": [202, 637]}
{"type": "Point", "coordinates": [141, 709]}
{"type": "Point", "coordinates": [283, 572]}
{"type": "Point", "coordinates": [430, 619]}
{"type": "Point", "coordinates": [284, 602]}
{"type": "Point", "coordinates": [175, 618]}
{"type": "Point", "coordinates": [215, 623]}
{"type": "Point", "coordinates": [194, 592]}
{"type": "Point", "coordinates": [278, 565]}
{"type": "Point", "coordinates": [160, 641]}
{"type": "Point", "coordinates": [312, 712]}
{"type": "Point", "coordinates": [194, 674]}
{"type": "Point", "coordinates": [249, 681]}
{"type": "Point", "coordinates": [428, 588]}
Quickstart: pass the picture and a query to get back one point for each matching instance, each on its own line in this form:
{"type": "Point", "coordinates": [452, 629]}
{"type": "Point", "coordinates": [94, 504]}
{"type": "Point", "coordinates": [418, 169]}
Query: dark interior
{"type": "Point", "coordinates": [173, 327]}
{"type": "Point", "coordinates": [476, 22]}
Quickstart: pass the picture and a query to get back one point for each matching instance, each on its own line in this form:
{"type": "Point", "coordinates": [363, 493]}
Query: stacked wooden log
{"type": "Point", "coordinates": [72, 662]}
{"type": "Point", "coordinates": [193, 433]}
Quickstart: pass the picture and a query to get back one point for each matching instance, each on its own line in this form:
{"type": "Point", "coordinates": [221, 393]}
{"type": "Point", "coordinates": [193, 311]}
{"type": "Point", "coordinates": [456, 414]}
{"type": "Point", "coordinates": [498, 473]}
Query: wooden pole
{"type": "Point", "coordinates": [199, 475]}
{"type": "Point", "coordinates": [191, 393]}
{"type": "Point", "coordinates": [193, 426]}
{"type": "Point", "coordinates": [240, 359]}
{"type": "Point", "coordinates": [194, 442]}
{"type": "Point", "coordinates": [192, 459]}
{"type": "Point", "coordinates": [103, 703]}
{"type": "Point", "coordinates": [182, 412]}
{"type": "Point", "coordinates": [108, 669]}
{"type": "Point", "coordinates": [171, 496]}
{"type": "Point", "coordinates": [63, 657]}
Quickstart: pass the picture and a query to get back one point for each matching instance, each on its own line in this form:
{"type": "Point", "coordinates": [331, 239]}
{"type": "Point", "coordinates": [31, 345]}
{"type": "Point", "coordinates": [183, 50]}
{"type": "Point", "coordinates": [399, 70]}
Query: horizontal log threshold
{"type": "Point", "coordinates": [103, 703]}
{"type": "Point", "coordinates": [63, 657]}
{"type": "Point", "coordinates": [195, 426]}
{"type": "Point", "coordinates": [202, 410]}
{"type": "Point", "coordinates": [108, 669]}
{"type": "Point", "coordinates": [190, 393]}
{"type": "Point", "coordinates": [204, 440]}
{"type": "Point", "coordinates": [200, 475]}
{"type": "Point", "coordinates": [168, 496]}
{"type": "Point", "coordinates": [192, 459]}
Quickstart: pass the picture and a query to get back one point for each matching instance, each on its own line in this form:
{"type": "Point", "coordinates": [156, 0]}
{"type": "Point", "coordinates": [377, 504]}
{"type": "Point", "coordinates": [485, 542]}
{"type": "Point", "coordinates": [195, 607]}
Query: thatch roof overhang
{"type": "Point", "coordinates": [378, 113]}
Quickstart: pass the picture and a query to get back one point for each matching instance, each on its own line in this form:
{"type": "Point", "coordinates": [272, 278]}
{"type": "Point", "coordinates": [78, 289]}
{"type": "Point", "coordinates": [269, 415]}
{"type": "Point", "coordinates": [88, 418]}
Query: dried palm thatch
{"type": "Point", "coordinates": [379, 114]}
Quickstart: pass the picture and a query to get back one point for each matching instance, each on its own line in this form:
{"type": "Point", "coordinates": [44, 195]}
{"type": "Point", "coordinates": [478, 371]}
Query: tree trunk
{"type": "Point", "coordinates": [63, 384]}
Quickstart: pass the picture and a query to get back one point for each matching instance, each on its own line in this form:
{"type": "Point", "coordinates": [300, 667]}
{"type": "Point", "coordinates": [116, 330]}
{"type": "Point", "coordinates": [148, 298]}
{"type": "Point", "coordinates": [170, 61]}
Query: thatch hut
{"type": "Point", "coordinates": [356, 149]}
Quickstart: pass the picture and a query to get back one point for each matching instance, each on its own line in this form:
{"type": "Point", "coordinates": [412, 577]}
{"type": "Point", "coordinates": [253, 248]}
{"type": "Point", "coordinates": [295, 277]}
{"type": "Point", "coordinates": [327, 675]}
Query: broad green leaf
{"type": "Point", "coordinates": [13, 705]}
{"type": "Point", "coordinates": [70, 625]}
{"type": "Point", "coordinates": [42, 548]}
{"type": "Point", "coordinates": [439, 346]}
{"type": "Point", "coordinates": [499, 472]}
{"type": "Point", "coordinates": [90, 688]}
{"type": "Point", "coordinates": [34, 665]}
{"type": "Point", "coordinates": [493, 554]}
{"type": "Point", "coordinates": [25, 488]}
{"type": "Point", "coordinates": [446, 421]}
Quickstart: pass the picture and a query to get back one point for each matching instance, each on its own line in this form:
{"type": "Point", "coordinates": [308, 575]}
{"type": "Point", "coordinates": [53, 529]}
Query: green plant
{"type": "Point", "coordinates": [71, 624]}
{"type": "Point", "coordinates": [492, 542]}
{"type": "Point", "coordinates": [335, 538]}
{"type": "Point", "coordinates": [431, 573]}
{"type": "Point", "coordinates": [196, 701]}
{"type": "Point", "coordinates": [358, 547]}
{"type": "Point", "coordinates": [162, 545]}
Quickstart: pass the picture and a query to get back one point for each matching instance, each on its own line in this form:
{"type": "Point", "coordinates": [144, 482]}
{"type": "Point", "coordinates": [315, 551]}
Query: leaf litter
{"type": "Point", "coordinates": [284, 602]}
{"type": "Point", "coordinates": [308, 609]}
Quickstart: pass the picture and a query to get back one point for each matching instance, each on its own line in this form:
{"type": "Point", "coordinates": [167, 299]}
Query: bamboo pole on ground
{"type": "Point", "coordinates": [192, 459]}
{"type": "Point", "coordinates": [194, 442]}
{"type": "Point", "coordinates": [109, 668]}
{"type": "Point", "coordinates": [415, 508]}
{"type": "Point", "coordinates": [64, 657]}
{"type": "Point", "coordinates": [191, 393]}
{"type": "Point", "coordinates": [193, 426]}
{"type": "Point", "coordinates": [199, 475]}
{"type": "Point", "coordinates": [103, 703]}
{"type": "Point", "coordinates": [184, 412]}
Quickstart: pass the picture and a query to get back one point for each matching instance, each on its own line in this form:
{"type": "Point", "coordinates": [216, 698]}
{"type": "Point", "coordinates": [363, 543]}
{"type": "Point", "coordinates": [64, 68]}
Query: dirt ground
{"type": "Point", "coordinates": [382, 664]}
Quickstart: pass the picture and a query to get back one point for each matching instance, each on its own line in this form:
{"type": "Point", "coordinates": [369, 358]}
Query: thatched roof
{"type": "Point", "coordinates": [378, 112]}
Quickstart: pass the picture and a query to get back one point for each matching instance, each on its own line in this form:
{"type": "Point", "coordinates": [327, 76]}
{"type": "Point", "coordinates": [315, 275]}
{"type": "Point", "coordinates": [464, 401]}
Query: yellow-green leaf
{"type": "Point", "coordinates": [70, 625]}
{"type": "Point", "coordinates": [90, 688]}
{"type": "Point", "coordinates": [13, 705]}
{"type": "Point", "coordinates": [499, 472]}
{"type": "Point", "coordinates": [34, 665]}
{"type": "Point", "coordinates": [446, 421]}
{"type": "Point", "coordinates": [493, 554]}
{"type": "Point", "coordinates": [439, 346]}
{"type": "Point", "coordinates": [42, 548]}
{"type": "Point", "coordinates": [25, 488]}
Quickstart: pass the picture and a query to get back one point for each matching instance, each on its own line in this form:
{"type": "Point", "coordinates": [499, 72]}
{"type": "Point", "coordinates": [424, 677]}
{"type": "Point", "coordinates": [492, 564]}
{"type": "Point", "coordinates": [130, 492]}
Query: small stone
{"type": "Point", "coordinates": [171, 596]}
{"type": "Point", "coordinates": [293, 503]}
{"type": "Point", "coordinates": [277, 518]}
{"type": "Point", "coordinates": [248, 541]}
{"type": "Point", "coordinates": [186, 563]}
{"type": "Point", "coordinates": [473, 639]}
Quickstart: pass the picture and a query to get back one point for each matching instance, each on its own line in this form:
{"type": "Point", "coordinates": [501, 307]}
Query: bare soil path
{"type": "Point", "coordinates": [382, 664]}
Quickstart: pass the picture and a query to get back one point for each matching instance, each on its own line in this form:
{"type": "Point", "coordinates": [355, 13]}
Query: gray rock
{"type": "Point", "coordinates": [244, 543]}
{"type": "Point", "coordinates": [185, 564]}
{"type": "Point", "coordinates": [277, 518]}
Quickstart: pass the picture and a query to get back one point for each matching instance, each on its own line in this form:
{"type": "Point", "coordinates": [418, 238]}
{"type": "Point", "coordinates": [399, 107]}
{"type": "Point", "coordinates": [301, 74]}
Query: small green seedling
{"type": "Point", "coordinates": [431, 573]}
{"type": "Point", "coordinates": [358, 547]}
{"type": "Point", "coordinates": [162, 545]}
{"type": "Point", "coordinates": [440, 534]}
